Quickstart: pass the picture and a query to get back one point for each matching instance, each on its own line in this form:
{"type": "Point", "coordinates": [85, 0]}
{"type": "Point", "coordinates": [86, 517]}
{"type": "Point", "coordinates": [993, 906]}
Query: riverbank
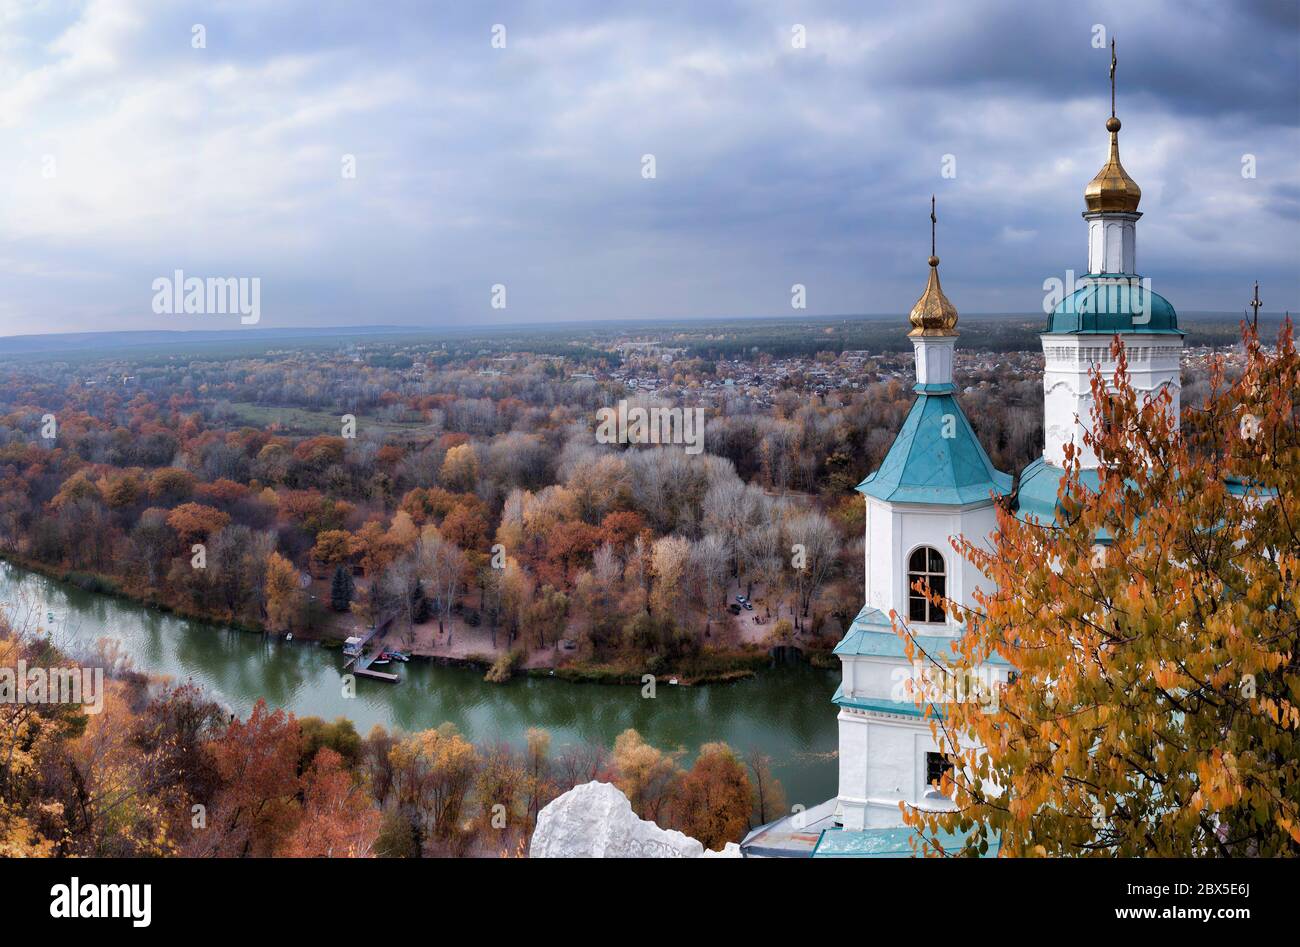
{"type": "Point", "coordinates": [462, 646]}
{"type": "Point", "coordinates": [97, 583]}
{"type": "Point", "coordinates": [783, 712]}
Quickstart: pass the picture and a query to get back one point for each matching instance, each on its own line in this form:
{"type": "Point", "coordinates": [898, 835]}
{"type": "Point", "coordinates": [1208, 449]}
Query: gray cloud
{"type": "Point", "coordinates": [522, 165]}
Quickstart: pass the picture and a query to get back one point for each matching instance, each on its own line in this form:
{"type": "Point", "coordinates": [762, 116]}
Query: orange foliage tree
{"type": "Point", "coordinates": [1155, 636]}
{"type": "Point", "coordinates": [714, 798]}
{"type": "Point", "coordinates": [194, 522]}
{"type": "Point", "coordinates": [282, 594]}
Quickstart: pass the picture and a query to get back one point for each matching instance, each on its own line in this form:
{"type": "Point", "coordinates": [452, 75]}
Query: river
{"type": "Point", "coordinates": [784, 712]}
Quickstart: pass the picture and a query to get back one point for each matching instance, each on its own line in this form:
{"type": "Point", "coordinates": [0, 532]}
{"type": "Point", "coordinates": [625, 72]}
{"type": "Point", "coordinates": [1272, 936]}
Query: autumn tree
{"type": "Point", "coordinates": [283, 597]}
{"type": "Point", "coordinates": [433, 772]}
{"type": "Point", "coordinates": [339, 819]}
{"type": "Point", "coordinates": [194, 522]}
{"type": "Point", "coordinates": [256, 808]}
{"type": "Point", "coordinates": [768, 793]}
{"type": "Point", "coordinates": [814, 542]}
{"type": "Point", "coordinates": [547, 615]}
{"type": "Point", "coordinates": [713, 799]}
{"type": "Point", "coordinates": [460, 468]}
{"type": "Point", "coordinates": [442, 565]}
{"type": "Point", "coordinates": [669, 561]}
{"type": "Point", "coordinates": [334, 547]}
{"type": "Point", "coordinates": [643, 773]}
{"type": "Point", "coordinates": [170, 485]}
{"type": "Point", "coordinates": [1154, 634]}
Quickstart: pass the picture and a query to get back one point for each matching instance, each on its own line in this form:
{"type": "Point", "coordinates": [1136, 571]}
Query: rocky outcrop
{"type": "Point", "coordinates": [595, 820]}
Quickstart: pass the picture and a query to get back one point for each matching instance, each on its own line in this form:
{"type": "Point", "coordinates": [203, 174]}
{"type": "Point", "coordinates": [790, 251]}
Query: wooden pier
{"type": "Point", "coordinates": [358, 661]}
{"type": "Point", "coordinates": [377, 675]}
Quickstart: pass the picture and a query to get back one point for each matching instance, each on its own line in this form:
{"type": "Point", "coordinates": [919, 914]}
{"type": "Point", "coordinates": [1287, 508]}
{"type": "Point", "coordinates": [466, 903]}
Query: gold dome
{"type": "Point", "coordinates": [1112, 190]}
{"type": "Point", "coordinates": [933, 314]}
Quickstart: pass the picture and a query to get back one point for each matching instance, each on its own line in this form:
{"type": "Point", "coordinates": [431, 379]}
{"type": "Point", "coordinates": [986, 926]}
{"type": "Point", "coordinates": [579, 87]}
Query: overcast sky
{"type": "Point", "coordinates": [126, 153]}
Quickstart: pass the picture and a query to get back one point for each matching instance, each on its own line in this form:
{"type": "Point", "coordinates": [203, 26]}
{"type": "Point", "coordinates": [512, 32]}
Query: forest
{"type": "Point", "coordinates": [314, 493]}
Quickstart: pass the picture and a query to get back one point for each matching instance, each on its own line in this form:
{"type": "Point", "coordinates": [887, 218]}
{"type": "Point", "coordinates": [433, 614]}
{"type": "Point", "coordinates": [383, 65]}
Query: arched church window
{"type": "Point", "coordinates": [925, 566]}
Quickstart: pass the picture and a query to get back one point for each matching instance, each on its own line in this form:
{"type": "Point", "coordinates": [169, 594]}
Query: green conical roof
{"type": "Point", "coordinates": [936, 458]}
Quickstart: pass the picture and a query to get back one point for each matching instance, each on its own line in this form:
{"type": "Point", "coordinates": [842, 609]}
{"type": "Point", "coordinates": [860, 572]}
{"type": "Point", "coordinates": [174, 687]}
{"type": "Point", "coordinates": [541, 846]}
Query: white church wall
{"type": "Point", "coordinates": [895, 531]}
{"type": "Point", "coordinates": [882, 763]}
{"type": "Point", "coordinates": [1154, 364]}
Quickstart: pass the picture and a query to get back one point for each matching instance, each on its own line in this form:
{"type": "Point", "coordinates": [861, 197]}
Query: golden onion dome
{"type": "Point", "coordinates": [933, 314]}
{"type": "Point", "coordinates": [1112, 190]}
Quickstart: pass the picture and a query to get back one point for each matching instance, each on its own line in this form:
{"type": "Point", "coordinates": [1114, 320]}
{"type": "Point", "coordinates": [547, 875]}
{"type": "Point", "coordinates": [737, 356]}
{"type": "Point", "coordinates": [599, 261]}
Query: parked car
{"type": "Point", "coordinates": [748, 607]}
{"type": "Point", "coordinates": [735, 609]}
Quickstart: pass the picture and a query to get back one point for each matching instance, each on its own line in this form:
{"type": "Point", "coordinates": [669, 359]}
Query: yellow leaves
{"type": "Point", "coordinates": [1167, 676]}
{"type": "Point", "coordinates": [1282, 712]}
{"type": "Point", "coordinates": [1290, 827]}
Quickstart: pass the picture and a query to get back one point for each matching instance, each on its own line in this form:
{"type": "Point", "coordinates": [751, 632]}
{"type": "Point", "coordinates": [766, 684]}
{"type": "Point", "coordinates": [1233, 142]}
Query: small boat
{"type": "Point", "coordinates": [672, 680]}
{"type": "Point", "coordinates": [379, 661]}
{"type": "Point", "coordinates": [396, 655]}
{"type": "Point", "coordinates": [289, 636]}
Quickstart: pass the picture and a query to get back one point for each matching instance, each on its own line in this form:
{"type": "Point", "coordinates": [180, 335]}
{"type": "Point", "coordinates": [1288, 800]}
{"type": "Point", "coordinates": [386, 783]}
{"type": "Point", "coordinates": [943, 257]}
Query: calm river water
{"type": "Point", "coordinates": [785, 712]}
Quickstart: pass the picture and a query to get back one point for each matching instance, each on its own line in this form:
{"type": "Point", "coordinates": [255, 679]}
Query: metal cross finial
{"type": "Point", "coordinates": [1255, 303]}
{"type": "Point", "coordinates": [1113, 60]}
{"type": "Point", "coordinates": [933, 220]}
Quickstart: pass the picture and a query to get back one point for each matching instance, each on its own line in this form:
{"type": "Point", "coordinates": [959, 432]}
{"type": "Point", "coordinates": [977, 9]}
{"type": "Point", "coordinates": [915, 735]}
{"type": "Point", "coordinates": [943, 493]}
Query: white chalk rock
{"type": "Point", "coordinates": [595, 820]}
{"type": "Point", "coordinates": [730, 850]}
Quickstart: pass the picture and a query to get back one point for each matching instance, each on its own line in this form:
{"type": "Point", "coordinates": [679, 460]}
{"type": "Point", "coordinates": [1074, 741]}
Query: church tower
{"type": "Point", "coordinates": [935, 483]}
{"type": "Point", "coordinates": [1112, 299]}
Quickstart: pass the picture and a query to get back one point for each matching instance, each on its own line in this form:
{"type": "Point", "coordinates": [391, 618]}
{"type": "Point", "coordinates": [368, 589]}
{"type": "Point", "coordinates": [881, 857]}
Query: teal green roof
{"type": "Point", "coordinates": [872, 635]}
{"type": "Point", "coordinates": [936, 458]}
{"type": "Point", "coordinates": [888, 843]}
{"type": "Point", "coordinates": [1108, 304]}
{"type": "Point", "coordinates": [1040, 483]}
{"type": "Point", "coordinates": [907, 708]}
{"type": "Point", "coordinates": [1037, 495]}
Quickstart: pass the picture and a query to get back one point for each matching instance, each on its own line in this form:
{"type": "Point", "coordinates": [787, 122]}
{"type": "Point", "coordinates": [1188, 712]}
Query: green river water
{"type": "Point", "coordinates": [785, 712]}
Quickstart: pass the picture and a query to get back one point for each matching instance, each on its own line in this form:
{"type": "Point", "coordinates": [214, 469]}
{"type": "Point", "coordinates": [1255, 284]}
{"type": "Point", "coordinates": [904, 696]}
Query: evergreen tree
{"type": "Point", "coordinates": [420, 607]}
{"type": "Point", "coordinates": [341, 589]}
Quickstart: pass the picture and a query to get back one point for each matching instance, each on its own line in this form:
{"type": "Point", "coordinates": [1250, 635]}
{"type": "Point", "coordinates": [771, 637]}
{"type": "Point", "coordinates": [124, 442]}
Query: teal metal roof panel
{"type": "Point", "coordinates": [1113, 303]}
{"type": "Point", "coordinates": [1040, 484]}
{"type": "Point", "coordinates": [936, 458]}
{"type": "Point", "coordinates": [872, 635]}
{"type": "Point", "coordinates": [889, 843]}
{"type": "Point", "coordinates": [907, 708]}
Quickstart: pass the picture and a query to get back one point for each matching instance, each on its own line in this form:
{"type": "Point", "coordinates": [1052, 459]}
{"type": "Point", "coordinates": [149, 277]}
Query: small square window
{"type": "Point", "coordinates": [936, 764]}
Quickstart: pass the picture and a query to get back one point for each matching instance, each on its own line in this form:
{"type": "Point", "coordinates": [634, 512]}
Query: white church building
{"type": "Point", "coordinates": [937, 483]}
